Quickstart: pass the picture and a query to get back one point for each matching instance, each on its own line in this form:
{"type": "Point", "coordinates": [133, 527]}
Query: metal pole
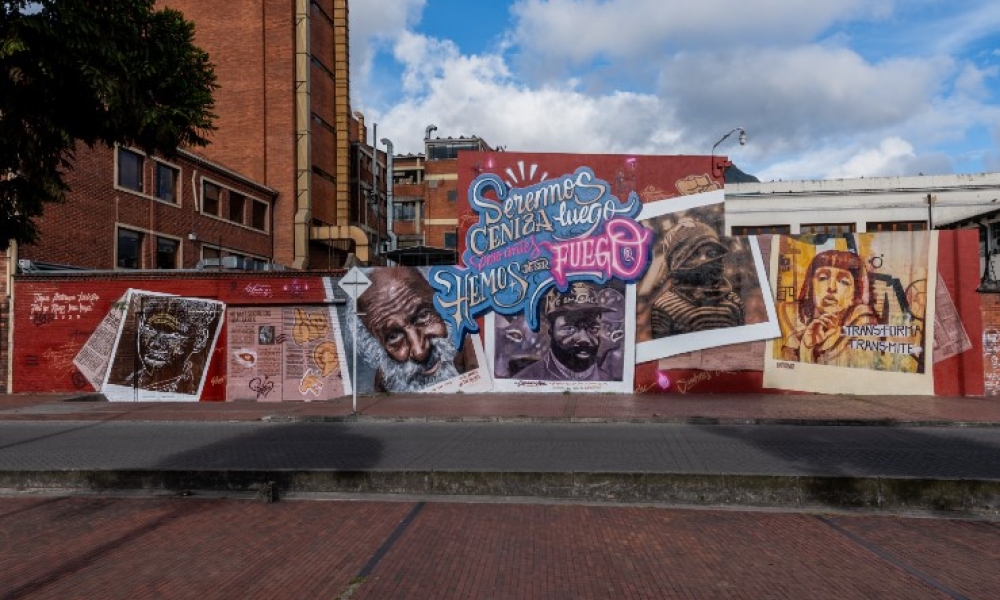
{"type": "Point", "coordinates": [354, 388]}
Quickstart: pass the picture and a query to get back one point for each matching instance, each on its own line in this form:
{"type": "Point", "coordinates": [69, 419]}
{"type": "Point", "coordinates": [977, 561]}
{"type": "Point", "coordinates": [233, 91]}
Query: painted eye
{"type": "Point", "coordinates": [514, 335]}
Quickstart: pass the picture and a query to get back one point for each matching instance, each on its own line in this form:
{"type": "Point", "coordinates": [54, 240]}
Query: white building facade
{"type": "Point", "coordinates": [839, 206]}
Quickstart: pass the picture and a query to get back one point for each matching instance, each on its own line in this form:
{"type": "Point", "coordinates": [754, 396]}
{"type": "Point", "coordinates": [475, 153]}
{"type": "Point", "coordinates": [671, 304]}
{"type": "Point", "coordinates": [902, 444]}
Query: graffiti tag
{"type": "Point", "coordinates": [261, 386]}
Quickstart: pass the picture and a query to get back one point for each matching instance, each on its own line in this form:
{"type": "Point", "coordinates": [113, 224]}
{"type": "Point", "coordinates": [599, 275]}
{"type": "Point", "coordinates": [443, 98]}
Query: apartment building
{"type": "Point", "coordinates": [425, 200]}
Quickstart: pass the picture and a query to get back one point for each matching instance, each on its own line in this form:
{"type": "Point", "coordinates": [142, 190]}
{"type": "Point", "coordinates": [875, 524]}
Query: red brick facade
{"type": "Point", "coordinates": [83, 232]}
{"type": "Point", "coordinates": [253, 48]}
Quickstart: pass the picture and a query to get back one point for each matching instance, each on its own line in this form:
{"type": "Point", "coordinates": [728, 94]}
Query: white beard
{"type": "Point", "coordinates": [408, 376]}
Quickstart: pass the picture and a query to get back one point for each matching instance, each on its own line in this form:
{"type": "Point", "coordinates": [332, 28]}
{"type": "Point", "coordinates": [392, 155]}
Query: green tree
{"type": "Point", "coordinates": [91, 72]}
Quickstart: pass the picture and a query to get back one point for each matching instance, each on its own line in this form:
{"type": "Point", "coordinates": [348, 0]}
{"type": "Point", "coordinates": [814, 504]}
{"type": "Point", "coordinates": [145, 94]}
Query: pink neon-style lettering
{"type": "Point", "coordinates": [618, 252]}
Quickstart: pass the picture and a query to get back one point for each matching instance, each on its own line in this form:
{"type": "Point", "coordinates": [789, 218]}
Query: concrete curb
{"type": "Point", "coordinates": [797, 422]}
{"type": "Point", "coordinates": [959, 496]}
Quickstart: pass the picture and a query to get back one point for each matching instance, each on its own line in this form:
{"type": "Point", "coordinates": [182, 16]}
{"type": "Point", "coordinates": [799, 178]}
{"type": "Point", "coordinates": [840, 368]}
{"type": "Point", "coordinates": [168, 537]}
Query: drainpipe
{"type": "Point", "coordinates": [375, 194]}
{"type": "Point", "coordinates": [389, 183]}
{"type": "Point", "coordinates": [12, 262]}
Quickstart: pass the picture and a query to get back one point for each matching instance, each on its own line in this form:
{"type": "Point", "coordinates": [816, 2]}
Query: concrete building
{"type": "Point", "coordinates": [872, 204]}
{"type": "Point", "coordinates": [284, 117]}
{"type": "Point", "coordinates": [425, 200]}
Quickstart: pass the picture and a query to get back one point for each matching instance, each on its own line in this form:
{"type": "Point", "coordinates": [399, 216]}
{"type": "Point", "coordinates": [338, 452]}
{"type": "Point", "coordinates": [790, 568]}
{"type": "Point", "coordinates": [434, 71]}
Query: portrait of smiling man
{"type": "Point", "coordinates": [404, 338]}
{"type": "Point", "coordinates": [574, 323]}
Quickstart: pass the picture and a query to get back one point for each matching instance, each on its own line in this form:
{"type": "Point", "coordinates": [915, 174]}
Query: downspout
{"type": "Point", "coordinates": [375, 194]}
{"type": "Point", "coordinates": [389, 183]}
{"type": "Point", "coordinates": [303, 139]}
{"type": "Point", "coordinates": [12, 262]}
{"type": "Point", "coordinates": [423, 202]}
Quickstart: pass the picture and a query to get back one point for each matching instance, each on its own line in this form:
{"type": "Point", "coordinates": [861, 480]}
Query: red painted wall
{"type": "Point", "coordinates": [46, 339]}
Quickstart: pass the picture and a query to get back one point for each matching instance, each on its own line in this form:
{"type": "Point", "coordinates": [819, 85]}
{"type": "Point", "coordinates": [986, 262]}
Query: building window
{"type": "Point", "coordinates": [130, 170]}
{"type": "Point", "coordinates": [450, 240]}
{"type": "Point", "coordinates": [166, 253]}
{"type": "Point", "coordinates": [166, 183]}
{"type": "Point", "coordinates": [210, 194]}
{"type": "Point", "coordinates": [896, 226]}
{"type": "Point", "coordinates": [452, 195]}
{"type": "Point", "coordinates": [129, 249]}
{"type": "Point", "coordinates": [209, 253]}
{"type": "Point", "coordinates": [237, 202]}
{"type": "Point", "coordinates": [761, 229]}
{"type": "Point", "coordinates": [994, 237]}
{"type": "Point", "coordinates": [405, 211]}
{"type": "Point", "coordinates": [258, 215]}
{"type": "Point", "coordinates": [827, 228]}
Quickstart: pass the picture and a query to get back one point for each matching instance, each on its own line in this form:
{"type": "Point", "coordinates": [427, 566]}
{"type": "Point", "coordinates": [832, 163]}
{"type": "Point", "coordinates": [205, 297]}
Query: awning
{"type": "Point", "coordinates": [423, 256]}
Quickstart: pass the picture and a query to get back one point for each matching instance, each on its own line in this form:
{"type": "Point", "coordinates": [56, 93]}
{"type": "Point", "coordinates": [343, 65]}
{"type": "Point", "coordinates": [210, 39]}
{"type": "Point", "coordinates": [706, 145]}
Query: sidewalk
{"type": "Point", "coordinates": [507, 446]}
{"type": "Point", "coordinates": [700, 409]}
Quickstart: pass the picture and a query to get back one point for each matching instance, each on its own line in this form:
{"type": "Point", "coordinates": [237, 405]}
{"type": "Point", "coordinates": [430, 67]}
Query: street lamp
{"type": "Point", "coordinates": [716, 171]}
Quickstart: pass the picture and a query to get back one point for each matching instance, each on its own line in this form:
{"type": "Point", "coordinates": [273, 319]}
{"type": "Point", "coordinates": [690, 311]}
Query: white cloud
{"type": "Point", "coordinates": [791, 96]}
{"type": "Point", "coordinates": [373, 25]}
{"type": "Point", "coordinates": [812, 109]}
{"type": "Point", "coordinates": [578, 30]}
{"type": "Point", "coordinates": [475, 95]}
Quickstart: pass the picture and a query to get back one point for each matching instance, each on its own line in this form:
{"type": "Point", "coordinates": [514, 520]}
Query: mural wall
{"type": "Point", "coordinates": [578, 273]}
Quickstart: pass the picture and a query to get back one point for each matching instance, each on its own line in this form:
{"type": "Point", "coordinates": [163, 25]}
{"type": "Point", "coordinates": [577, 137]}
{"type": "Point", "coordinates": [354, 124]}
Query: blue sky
{"type": "Point", "coordinates": [824, 88]}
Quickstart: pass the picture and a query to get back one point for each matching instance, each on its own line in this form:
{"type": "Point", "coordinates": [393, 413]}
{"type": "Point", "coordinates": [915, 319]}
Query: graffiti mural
{"type": "Point", "coordinates": [163, 347]}
{"type": "Point", "coordinates": [862, 302]}
{"type": "Point", "coordinates": [702, 289]}
{"type": "Point", "coordinates": [584, 342]}
{"type": "Point", "coordinates": [285, 353]}
{"type": "Point", "coordinates": [578, 273]}
{"type": "Point", "coordinates": [406, 344]}
{"type": "Point", "coordinates": [537, 233]}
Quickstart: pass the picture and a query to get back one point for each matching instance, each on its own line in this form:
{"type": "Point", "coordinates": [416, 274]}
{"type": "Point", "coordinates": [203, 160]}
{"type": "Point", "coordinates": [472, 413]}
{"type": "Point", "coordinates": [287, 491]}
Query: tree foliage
{"type": "Point", "coordinates": [91, 72]}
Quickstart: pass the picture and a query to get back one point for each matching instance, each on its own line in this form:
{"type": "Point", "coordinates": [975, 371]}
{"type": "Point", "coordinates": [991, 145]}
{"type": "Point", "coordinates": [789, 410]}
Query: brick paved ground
{"type": "Point", "coordinates": [678, 408]}
{"type": "Point", "coordinates": [179, 548]}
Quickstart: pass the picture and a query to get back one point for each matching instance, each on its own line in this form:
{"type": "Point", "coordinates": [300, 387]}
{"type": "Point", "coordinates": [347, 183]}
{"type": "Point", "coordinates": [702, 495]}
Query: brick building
{"type": "Point", "coordinates": [284, 118]}
{"type": "Point", "coordinates": [127, 210]}
{"type": "Point", "coordinates": [425, 200]}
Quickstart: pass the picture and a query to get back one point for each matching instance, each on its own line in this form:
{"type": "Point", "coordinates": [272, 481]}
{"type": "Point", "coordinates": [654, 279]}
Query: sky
{"type": "Point", "coordinates": [825, 89]}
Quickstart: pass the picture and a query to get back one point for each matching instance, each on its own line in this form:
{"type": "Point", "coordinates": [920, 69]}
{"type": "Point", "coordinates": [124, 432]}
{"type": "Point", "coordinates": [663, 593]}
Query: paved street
{"type": "Point", "coordinates": [69, 548]}
{"type": "Point", "coordinates": [937, 452]}
{"type": "Point", "coordinates": [175, 540]}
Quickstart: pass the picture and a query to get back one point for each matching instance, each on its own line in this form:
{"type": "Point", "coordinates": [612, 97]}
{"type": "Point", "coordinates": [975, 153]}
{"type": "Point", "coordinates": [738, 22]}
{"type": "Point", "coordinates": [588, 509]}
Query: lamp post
{"type": "Point", "coordinates": [716, 171]}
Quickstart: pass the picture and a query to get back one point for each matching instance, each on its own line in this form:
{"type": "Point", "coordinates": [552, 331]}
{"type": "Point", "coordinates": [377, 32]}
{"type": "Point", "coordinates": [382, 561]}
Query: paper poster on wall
{"type": "Point", "coordinates": [285, 353]}
{"type": "Point", "coordinates": [404, 344]}
{"type": "Point", "coordinates": [585, 342]}
{"type": "Point", "coordinates": [163, 348]}
{"type": "Point", "coordinates": [93, 358]}
{"type": "Point", "coordinates": [702, 289]}
{"type": "Point", "coordinates": [856, 313]}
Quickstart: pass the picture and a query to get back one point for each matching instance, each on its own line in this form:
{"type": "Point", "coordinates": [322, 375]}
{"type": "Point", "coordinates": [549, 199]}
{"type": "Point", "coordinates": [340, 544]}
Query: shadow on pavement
{"type": "Point", "coordinates": [885, 467]}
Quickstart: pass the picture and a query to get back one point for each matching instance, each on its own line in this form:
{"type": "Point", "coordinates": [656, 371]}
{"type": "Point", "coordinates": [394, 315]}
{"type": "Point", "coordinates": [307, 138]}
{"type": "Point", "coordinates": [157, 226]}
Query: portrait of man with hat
{"type": "Point", "coordinates": [574, 322]}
